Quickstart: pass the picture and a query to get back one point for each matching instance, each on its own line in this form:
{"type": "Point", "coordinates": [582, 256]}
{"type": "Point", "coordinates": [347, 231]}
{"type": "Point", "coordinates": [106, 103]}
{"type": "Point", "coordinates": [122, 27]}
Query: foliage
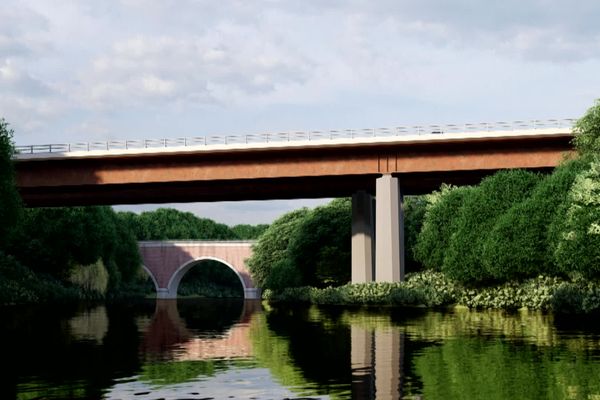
{"type": "Point", "coordinates": [577, 297]}
{"type": "Point", "coordinates": [55, 240]}
{"type": "Point", "coordinates": [272, 246]}
{"type": "Point", "coordinates": [518, 246]}
{"type": "Point", "coordinates": [414, 214]}
{"type": "Point", "coordinates": [482, 207]}
{"type": "Point", "coordinates": [10, 201]}
{"type": "Point", "coordinates": [19, 285]}
{"type": "Point", "coordinates": [249, 232]}
{"type": "Point", "coordinates": [439, 223]}
{"type": "Point", "coordinates": [283, 274]}
{"type": "Point", "coordinates": [434, 289]}
{"type": "Point", "coordinates": [171, 224]}
{"type": "Point", "coordinates": [305, 247]}
{"type": "Point", "coordinates": [475, 367]}
{"type": "Point", "coordinates": [577, 227]}
{"type": "Point", "coordinates": [320, 247]}
{"type": "Point", "coordinates": [587, 131]}
{"type": "Point", "coordinates": [91, 278]}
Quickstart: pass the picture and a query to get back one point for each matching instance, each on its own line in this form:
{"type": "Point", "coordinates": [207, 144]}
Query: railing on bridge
{"type": "Point", "coordinates": [298, 136]}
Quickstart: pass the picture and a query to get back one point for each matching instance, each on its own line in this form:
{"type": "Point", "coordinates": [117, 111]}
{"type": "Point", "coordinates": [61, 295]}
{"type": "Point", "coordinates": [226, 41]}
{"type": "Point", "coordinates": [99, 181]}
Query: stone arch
{"type": "Point", "coordinates": [180, 272]}
{"type": "Point", "coordinates": [167, 261]}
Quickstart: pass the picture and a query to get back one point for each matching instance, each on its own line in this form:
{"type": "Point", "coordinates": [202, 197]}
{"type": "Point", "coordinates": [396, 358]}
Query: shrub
{"type": "Point", "coordinates": [577, 228]}
{"type": "Point", "coordinates": [91, 278]}
{"type": "Point", "coordinates": [482, 207]}
{"type": "Point", "coordinates": [439, 222]}
{"type": "Point", "coordinates": [414, 214]}
{"type": "Point", "coordinates": [272, 246]}
{"type": "Point", "coordinates": [518, 246]}
{"type": "Point", "coordinates": [283, 274]}
{"type": "Point", "coordinates": [587, 131]}
{"type": "Point", "coordinates": [320, 247]}
{"type": "Point", "coordinates": [10, 201]}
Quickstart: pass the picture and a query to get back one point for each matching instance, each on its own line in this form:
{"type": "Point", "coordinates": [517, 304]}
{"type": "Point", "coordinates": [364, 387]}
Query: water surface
{"type": "Point", "coordinates": [199, 349]}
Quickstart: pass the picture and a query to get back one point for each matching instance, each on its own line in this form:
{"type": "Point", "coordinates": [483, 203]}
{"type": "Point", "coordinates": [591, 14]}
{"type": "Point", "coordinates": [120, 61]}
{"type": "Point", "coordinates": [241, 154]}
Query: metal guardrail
{"type": "Point", "coordinates": [297, 136]}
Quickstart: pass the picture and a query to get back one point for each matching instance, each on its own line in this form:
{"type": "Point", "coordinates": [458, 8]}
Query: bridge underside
{"type": "Point", "coordinates": [240, 189]}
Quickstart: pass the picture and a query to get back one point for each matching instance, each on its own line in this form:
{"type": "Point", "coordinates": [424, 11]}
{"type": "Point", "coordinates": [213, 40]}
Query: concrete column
{"type": "Point", "coordinates": [362, 237]}
{"type": "Point", "coordinates": [389, 231]}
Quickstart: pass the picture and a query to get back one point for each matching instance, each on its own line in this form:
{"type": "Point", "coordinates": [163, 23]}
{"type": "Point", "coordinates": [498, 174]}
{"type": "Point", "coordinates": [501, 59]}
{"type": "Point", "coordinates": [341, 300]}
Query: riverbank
{"type": "Point", "coordinates": [433, 289]}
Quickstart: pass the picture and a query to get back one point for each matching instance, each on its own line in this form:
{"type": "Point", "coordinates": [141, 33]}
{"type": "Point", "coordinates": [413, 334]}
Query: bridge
{"type": "Point", "coordinates": [383, 164]}
{"type": "Point", "coordinates": [168, 261]}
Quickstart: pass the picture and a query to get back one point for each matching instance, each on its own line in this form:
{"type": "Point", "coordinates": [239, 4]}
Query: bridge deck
{"type": "Point", "coordinates": [282, 170]}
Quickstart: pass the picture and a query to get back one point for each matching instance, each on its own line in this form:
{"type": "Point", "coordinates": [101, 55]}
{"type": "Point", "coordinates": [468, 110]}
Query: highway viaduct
{"type": "Point", "coordinates": [383, 164]}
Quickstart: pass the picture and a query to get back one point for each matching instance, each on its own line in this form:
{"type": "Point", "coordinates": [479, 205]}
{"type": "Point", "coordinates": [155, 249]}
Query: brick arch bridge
{"type": "Point", "coordinates": [168, 261]}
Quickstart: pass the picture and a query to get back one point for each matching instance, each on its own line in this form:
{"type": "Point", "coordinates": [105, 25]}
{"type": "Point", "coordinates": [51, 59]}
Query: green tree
{"type": "Point", "coordinates": [10, 201]}
{"type": "Point", "coordinates": [577, 225]}
{"type": "Point", "coordinates": [519, 245]}
{"type": "Point", "coordinates": [171, 224]}
{"type": "Point", "coordinates": [320, 247]}
{"type": "Point", "coordinates": [272, 246]}
{"type": "Point", "coordinates": [414, 214]}
{"type": "Point", "coordinates": [587, 131]}
{"type": "Point", "coordinates": [481, 209]}
{"type": "Point", "coordinates": [249, 232]}
{"type": "Point", "coordinates": [439, 223]}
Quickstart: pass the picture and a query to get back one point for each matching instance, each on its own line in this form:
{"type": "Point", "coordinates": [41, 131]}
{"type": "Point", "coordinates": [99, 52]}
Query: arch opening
{"type": "Point", "coordinates": [208, 277]}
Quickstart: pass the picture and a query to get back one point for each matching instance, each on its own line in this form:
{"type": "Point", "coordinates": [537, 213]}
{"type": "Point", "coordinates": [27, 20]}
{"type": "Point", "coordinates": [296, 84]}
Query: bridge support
{"type": "Point", "coordinates": [362, 237]}
{"type": "Point", "coordinates": [389, 230]}
{"type": "Point", "coordinates": [378, 237]}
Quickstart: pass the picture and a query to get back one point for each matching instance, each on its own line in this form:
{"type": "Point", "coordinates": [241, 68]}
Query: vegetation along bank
{"type": "Point", "coordinates": [518, 239]}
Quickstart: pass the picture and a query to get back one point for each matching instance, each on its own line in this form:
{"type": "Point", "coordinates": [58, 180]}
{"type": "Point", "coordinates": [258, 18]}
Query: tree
{"type": "Point", "coordinates": [272, 246]}
{"type": "Point", "coordinates": [320, 247]}
{"type": "Point", "coordinates": [414, 214]}
{"type": "Point", "coordinates": [519, 245]}
{"type": "Point", "coordinates": [249, 232]}
{"type": "Point", "coordinates": [10, 201]}
{"type": "Point", "coordinates": [476, 218]}
{"type": "Point", "coordinates": [439, 223]}
{"type": "Point", "coordinates": [577, 225]}
{"type": "Point", "coordinates": [171, 224]}
{"type": "Point", "coordinates": [587, 131]}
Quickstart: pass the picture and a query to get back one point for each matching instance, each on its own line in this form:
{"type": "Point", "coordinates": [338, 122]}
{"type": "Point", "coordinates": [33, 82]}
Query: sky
{"type": "Point", "coordinates": [88, 70]}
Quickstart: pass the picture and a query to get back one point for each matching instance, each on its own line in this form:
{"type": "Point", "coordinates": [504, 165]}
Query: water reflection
{"type": "Point", "coordinates": [167, 335]}
{"type": "Point", "coordinates": [377, 363]}
{"type": "Point", "coordinates": [202, 349]}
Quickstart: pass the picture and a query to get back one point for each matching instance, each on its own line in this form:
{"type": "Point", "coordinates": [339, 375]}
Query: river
{"type": "Point", "coordinates": [200, 349]}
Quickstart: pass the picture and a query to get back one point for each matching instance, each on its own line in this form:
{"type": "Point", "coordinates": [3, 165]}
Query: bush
{"type": "Point", "coordinates": [519, 246]}
{"type": "Point", "coordinates": [283, 275]}
{"type": "Point", "coordinates": [587, 131]}
{"type": "Point", "coordinates": [320, 247]}
{"type": "Point", "coordinates": [577, 227]}
{"type": "Point", "coordinates": [10, 201]}
{"type": "Point", "coordinates": [414, 214]}
{"type": "Point", "coordinates": [482, 207]}
{"type": "Point", "coordinates": [91, 278]}
{"type": "Point", "coordinates": [272, 246]}
{"type": "Point", "coordinates": [439, 222]}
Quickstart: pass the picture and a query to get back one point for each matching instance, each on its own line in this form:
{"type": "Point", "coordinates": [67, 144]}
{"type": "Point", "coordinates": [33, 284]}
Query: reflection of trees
{"type": "Point", "coordinates": [91, 324]}
{"type": "Point", "coordinates": [479, 368]}
{"type": "Point", "coordinates": [466, 354]}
